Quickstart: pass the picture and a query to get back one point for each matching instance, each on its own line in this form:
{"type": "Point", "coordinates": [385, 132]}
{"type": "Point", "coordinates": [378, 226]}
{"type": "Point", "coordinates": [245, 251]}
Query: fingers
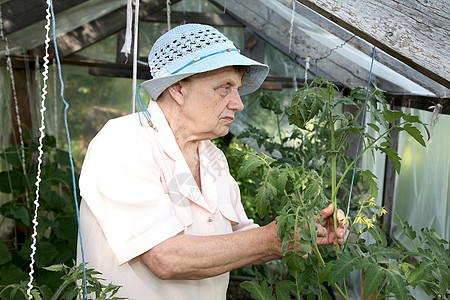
{"type": "Point", "coordinates": [340, 216]}
{"type": "Point", "coordinates": [327, 212]}
{"type": "Point", "coordinates": [321, 231]}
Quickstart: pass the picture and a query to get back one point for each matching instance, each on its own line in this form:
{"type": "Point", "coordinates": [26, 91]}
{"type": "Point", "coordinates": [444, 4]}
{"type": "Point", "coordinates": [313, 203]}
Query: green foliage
{"type": "Point", "coordinates": [57, 229]}
{"type": "Point", "coordinates": [295, 183]}
{"type": "Point", "coordinates": [68, 289]}
{"type": "Point", "coordinates": [259, 291]}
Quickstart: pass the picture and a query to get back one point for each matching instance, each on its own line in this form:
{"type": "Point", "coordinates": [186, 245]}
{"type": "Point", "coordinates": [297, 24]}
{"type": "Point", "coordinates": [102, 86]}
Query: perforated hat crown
{"type": "Point", "coordinates": [195, 48]}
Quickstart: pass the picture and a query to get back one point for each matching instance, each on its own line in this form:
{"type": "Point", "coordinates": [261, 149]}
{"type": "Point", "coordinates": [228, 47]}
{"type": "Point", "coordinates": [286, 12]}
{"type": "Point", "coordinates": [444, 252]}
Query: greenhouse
{"type": "Point", "coordinates": [224, 149]}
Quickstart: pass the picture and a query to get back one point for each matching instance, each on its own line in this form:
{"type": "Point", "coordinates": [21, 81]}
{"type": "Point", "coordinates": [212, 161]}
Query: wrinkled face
{"type": "Point", "coordinates": [211, 100]}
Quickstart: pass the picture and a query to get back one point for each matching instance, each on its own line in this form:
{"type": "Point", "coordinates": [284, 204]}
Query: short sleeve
{"type": "Point", "coordinates": [121, 183]}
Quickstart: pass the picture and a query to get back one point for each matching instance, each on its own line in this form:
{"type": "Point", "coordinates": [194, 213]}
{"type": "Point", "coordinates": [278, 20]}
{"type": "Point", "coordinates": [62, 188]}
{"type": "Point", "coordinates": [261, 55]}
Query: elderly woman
{"type": "Point", "coordinates": [161, 215]}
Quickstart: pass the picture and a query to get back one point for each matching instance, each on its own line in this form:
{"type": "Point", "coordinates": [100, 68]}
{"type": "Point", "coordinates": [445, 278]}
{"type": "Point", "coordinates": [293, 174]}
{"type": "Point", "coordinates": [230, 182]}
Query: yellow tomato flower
{"type": "Point", "coordinates": [372, 202]}
{"type": "Point", "coordinates": [383, 211]}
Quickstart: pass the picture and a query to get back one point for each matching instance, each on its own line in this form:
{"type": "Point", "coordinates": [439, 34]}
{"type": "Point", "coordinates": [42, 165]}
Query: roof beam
{"type": "Point", "coordinates": [271, 19]}
{"type": "Point", "coordinates": [240, 15]}
{"type": "Point", "coordinates": [99, 29]}
{"type": "Point", "coordinates": [20, 14]}
{"type": "Point", "coordinates": [414, 32]}
{"type": "Point", "coordinates": [209, 18]}
{"type": "Point", "coordinates": [365, 47]}
{"type": "Point", "coordinates": [89, 33]}
{"type": "Point", "coordinates": [104, 68]}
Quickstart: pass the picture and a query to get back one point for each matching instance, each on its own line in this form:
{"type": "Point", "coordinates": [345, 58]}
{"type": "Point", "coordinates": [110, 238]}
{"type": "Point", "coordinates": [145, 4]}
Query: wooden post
{"type": "Point", "coordinates": [389, 184]}
{"type": "Point", "coordinates": [372, 296]}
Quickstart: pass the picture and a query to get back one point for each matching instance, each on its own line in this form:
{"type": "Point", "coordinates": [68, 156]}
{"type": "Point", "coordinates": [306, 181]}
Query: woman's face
{"type": "Point", "coordinates": [210, 101]}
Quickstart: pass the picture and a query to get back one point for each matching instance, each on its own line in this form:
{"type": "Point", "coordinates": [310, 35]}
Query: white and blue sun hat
{"type": "Point", "coordinates": [195, 48]}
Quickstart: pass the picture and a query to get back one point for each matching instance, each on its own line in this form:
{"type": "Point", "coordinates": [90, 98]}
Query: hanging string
{"type": "Point", "coordinates": [38, 176]}
{"type": "Point", "coordinates": [55, 104]}
{"type": "Point", "coordinates": [434, 119]}
{"type": "Point", "coordinates": [36, 75]}
{"type": "Point", "coordinates": [359, 141]}
{"type": "Point", "coordinates": [168, 14]}
{"type": "Point", "coordinates": [69, 144]}
{"type": "Point", "coordinates": [317, 68]}
{"type": "Point", "coordinates": [306, 69]}
{"type": "Point", "coordinates": [142, 109]}
{"type": "Point", "coordinates": [291, 28]}
{"type": "Point", "coordinates": [135, 52]}
{"type": "Point", "coordinates": [126, 48]}
{"type": "Point", "coordinates": [330, 52]}
{"type": "Point", "coordinates": [294, 78]}
{"type": "Point", "coordinates": [315, 121]}
{"type": "Point", "coordinates": [14, 93]}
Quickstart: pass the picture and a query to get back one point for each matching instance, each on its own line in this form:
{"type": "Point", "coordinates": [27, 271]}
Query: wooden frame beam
{"type": "Point", "coordinates": [99, 29]}
{"type": "Point", "coordinates": [365, 47]}
{"type": "Point", "coordinates": [209, 18]}
{"type": "Point", "coordinates": [264, 35]}
{"type": "Point", "coordinates": [415, 33]}
{"type": "Point", "coordinates": [88, 34]}
{"type": "Point", "coordinates": [266, 20]}
{"type": "Point", "coordinates": [20, 14]}
{"type": "Point", "coordinates": [105, 68]}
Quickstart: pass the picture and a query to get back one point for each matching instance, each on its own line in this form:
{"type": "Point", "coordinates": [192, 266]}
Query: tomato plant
{"type": "Point", "coordinates": [295, 184]}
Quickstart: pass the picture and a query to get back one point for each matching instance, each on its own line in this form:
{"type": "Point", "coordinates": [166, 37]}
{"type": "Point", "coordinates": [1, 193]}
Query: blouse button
{"type": "Point", "coordinates": [210, 220]}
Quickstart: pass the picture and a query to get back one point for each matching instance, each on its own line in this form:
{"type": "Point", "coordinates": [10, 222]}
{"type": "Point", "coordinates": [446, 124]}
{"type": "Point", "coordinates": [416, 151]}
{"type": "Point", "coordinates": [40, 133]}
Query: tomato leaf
{"type": "Point", "coordinates": [373, 279]}
{"type": "Point", "coordinates": [415, 133]}
{"type": "Point", "coordinates": [258, 291]}
{"type": "Point", "coordinates": [397, 286]}
{"type": "Point", "coordinates": [249, 166]}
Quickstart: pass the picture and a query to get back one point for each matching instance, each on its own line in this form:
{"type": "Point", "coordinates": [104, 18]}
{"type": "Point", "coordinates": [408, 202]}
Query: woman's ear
{"type": "Point", "coordinates": [176, 92]}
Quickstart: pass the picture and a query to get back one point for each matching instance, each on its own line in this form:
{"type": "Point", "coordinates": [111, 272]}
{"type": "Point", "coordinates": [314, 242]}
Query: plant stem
{"type": "Point", "coordinates": [333, 200]}
{"type": "Point", "coordinates": [349, 167]}
{"type": "Point", "coordinates": [381, 288]}
{"type": "Point", "coordinates": [279, 131]}
{"type": "Point", "coordinates": [61, 288]}
{"type": "Point", "coordinates": [333, 181]}
{"type": "Point", "coordinates": [322, 263]}
{"type": "Point", "coordinates": [319, 256]}
{"type": "Point", "coordinates": [295, 228]}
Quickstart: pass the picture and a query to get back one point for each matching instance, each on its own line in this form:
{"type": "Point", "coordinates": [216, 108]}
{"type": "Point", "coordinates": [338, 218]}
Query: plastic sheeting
{"type": "Point", "coordinates": [422, 194]}
{"type": "Point", "coordinates": [422, 190]}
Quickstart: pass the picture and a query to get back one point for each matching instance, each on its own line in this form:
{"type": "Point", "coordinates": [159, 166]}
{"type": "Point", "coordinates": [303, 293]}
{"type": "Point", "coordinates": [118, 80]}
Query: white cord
{"type": "Point", "coordinates": [294, 78]}
{"type": "Point", "coordinates": [306, 70]}
{"type": "Point", "coordinates": [135, 53]}
{"type": "Point", "coordinates": [168, 14]}
{"type": "Point", "coordinates": [126, 49]}
{"type": "Point", "coordinates": [291, 29]}
{"type": "Point", "coordinates": [434, 119]}
{"type": "Point", "coordinates": [38, 176]}
{"type": "Point", "coordinates": [55, 103]}
{"type": "Point", "coordinates": [13, 88]}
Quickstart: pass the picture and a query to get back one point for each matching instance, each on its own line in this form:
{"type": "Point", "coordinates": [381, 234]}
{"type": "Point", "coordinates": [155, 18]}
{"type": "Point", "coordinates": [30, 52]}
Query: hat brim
{"type": "Point", "coordinates": [251, 80]}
